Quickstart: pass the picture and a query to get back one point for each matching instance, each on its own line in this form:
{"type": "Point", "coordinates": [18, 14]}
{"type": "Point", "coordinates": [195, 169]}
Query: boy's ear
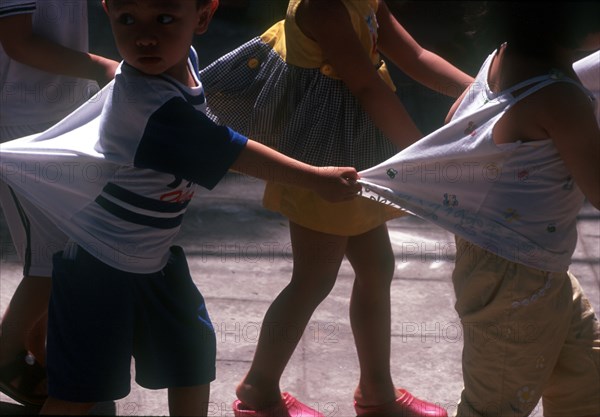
{"type": "Point", "coordinates": [105, 6]}
{"type": "Point", "coordinates": [205, 15]}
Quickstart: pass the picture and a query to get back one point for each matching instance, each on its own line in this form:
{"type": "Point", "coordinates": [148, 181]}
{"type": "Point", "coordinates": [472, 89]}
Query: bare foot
{"type": "Point", "coordinates": [254, 398]}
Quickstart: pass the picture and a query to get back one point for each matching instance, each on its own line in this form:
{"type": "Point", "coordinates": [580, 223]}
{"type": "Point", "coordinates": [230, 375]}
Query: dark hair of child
{"type": "Point", "coordinates": [532, 28]}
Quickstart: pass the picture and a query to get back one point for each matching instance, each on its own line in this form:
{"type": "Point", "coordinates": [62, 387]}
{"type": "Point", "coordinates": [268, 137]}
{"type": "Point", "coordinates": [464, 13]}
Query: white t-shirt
{"type": "Point", "coordinates": [29, 96]}
{"type": "Point", "coordinates": [118, 174]}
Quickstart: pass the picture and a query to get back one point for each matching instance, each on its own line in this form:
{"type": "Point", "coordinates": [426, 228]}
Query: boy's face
{"type": "Point", "coordinates": [154, 36]}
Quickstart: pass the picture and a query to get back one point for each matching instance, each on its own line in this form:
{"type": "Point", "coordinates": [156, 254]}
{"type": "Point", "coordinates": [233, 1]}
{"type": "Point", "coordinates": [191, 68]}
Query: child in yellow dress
{"type": "Point", "coordinates": [315, 87]}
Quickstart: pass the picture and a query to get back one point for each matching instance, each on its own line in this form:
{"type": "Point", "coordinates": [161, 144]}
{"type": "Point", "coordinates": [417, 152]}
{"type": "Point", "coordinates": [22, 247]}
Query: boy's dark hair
{"type": "Point", "coordinates": [534, 28]}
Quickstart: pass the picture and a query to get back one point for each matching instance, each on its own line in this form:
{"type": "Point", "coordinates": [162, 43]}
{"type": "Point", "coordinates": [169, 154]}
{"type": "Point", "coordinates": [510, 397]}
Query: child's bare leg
{"type": "Point", "coordinates": [37, 339]}
{"type": "Point", "coordinates": [372, 258]}
{"type": "Point", "coordinates": [317, 259]}
{"type": "Point", "coordinates": [54, 406]}
{"type": "Point", "coordinates": [189, 401]}
{"type": "Point", "coordinates": [28, 305]}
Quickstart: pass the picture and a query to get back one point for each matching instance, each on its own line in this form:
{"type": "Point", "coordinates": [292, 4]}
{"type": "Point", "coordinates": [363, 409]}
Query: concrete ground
{"type": "Point", "coordinates": [239, 254]}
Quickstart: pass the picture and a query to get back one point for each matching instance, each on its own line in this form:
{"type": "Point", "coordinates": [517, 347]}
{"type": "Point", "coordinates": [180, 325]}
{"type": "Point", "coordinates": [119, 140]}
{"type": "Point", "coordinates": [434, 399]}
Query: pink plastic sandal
{"type": "Point", "coordinates": [287, 407]}
{"type": "Point", "coordinates": [406, 405]}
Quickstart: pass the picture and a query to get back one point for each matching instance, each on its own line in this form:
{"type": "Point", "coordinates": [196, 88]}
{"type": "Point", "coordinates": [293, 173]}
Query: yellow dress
{"type": "Point", "coordinates": [279, 90]}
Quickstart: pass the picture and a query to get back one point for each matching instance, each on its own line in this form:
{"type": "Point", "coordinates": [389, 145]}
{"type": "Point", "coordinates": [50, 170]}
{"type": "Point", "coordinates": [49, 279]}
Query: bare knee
{"type": "Point", "coordinates": [376, 272]}
{"type": "Point", "coordinates": [314, 289]}
{"type": "Point", "coordinates": [372, 257]}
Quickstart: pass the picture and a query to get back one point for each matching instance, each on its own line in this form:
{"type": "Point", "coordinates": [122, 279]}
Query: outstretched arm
{"type": "Point", "coordinates": [23, 45]}
{"type": "Point", "coordinates": [418, 63]}
{"type": "Point", "coordinates": [331, 183]}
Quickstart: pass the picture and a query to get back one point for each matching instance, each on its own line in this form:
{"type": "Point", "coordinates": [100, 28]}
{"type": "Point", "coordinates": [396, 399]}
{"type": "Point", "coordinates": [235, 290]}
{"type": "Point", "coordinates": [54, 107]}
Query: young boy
{"type": "Point", "coordinates": [508, 175]}
{"type": "Point", "coordinates": [119, 287]}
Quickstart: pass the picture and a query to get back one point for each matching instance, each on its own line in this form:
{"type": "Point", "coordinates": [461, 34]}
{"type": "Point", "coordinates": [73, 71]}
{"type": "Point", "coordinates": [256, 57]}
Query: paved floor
{"type": "Point", "coordinates": [240, 258]}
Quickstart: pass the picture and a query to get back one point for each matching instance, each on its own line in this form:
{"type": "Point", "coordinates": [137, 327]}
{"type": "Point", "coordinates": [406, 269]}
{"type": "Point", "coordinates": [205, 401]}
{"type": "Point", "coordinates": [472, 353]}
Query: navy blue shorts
{"type": "Point", "coordinates": [99, 317]}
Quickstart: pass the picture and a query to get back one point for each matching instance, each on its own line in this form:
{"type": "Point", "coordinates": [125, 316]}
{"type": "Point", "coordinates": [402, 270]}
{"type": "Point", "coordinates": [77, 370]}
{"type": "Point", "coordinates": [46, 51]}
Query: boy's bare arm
{"type": "Point", "coordinates": [415, 61]}
{"type": "Point", "coordinates": [331, 183]}
{"type": "Point", "coordinates": [23, 45]}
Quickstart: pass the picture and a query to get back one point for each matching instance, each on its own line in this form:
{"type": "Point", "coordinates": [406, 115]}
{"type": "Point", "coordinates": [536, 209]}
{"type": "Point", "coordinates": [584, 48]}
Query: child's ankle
{"type": "Point", "coordinates": [256, 397]}
{"type": "Point", "coordinates": [370, 396]}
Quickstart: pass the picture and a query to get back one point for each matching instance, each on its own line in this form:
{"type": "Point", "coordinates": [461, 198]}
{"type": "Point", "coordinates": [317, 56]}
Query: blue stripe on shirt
{"type": "Point", "coordinates": [137, 218]}
{"type": "Point", "coordinates": [15, 10]}
{"type": "Point", "coordinates": [142, 202]}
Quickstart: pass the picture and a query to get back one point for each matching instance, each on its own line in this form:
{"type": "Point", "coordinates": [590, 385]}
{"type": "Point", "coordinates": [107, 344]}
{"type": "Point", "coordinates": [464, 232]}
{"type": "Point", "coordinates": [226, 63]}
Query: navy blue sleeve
{"type": "Point", "coordinates": [10, 8]}
{"type": "Point", "coordinates": [180, 140]}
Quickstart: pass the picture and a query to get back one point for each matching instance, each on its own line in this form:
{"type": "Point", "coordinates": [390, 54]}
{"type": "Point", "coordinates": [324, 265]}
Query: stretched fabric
{"type": "Point", "coordinates": [516, 200]}
{"type": "Point", "coordinates": [63, 157]}
{"type": "Point", "coordinates": [117, 174]}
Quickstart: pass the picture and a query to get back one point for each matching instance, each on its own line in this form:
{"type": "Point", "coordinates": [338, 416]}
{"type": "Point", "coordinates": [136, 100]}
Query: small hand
{"type": "Point", "coordinates": [339, 184]}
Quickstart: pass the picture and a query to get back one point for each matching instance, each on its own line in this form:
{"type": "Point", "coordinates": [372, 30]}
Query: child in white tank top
{"type": "Point", "coordinates": [508, 175]}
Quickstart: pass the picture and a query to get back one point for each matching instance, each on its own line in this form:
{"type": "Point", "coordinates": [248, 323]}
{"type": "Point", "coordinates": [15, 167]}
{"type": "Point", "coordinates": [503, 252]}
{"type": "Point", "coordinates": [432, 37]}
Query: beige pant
{"type": "Point", "coordinates": [528, 334]}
